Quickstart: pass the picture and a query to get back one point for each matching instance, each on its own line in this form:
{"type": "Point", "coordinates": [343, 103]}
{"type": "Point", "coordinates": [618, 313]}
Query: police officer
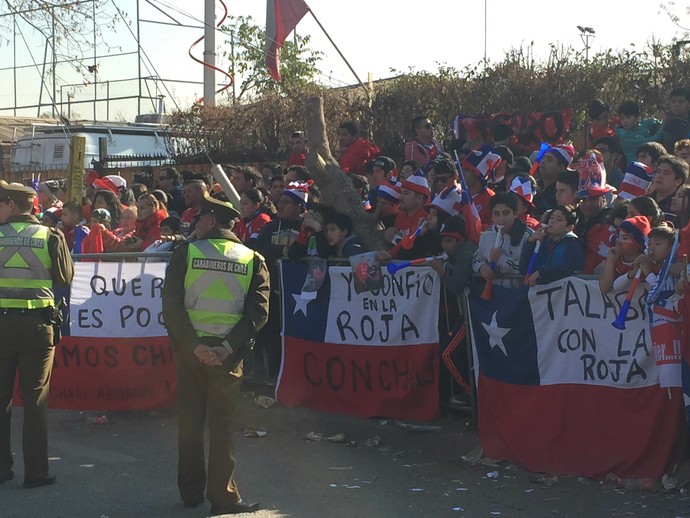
{"type": "Point", "coordinates": [215, 299]}
{"type": "Point", "coordinates": [34, 259]}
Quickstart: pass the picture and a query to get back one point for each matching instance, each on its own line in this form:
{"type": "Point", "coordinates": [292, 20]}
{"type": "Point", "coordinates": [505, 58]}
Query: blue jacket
{"type": "Point", "coordinates": [554, 260]}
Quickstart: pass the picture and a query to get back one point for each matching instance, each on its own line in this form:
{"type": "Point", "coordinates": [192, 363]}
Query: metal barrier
{"type": "Point", "coordinates": [112, 257]}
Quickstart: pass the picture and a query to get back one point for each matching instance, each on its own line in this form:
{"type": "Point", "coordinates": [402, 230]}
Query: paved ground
{"type": "Point", "coordinates": [127, 468]}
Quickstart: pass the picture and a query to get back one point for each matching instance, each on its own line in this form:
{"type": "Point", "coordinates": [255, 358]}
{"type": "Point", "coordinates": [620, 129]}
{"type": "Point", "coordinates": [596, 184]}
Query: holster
{"type": "Point", "coordinates": [56, 320]}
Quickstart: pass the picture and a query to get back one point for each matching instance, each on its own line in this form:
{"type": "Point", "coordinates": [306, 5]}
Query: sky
{"type": "Point", "coordinates": [375, 36]}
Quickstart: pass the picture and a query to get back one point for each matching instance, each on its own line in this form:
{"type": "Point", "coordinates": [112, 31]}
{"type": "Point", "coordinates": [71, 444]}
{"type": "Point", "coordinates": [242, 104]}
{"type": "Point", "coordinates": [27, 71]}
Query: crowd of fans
{"type": "Point", "coordinates": [608, 209]}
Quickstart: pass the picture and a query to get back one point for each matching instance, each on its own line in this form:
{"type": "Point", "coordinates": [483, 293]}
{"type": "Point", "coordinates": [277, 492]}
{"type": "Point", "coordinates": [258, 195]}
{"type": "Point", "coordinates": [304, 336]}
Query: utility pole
{"type": "Point", "coordinates": [209, 53]}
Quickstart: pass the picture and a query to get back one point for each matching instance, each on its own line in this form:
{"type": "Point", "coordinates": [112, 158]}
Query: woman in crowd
{"type": "Point", "coordinates": [148, 224]}
{"type": "Point", "coordinates": [256, 211]}
{"type": "Point", "coordinates": [163, 200]}
{"type": "Point", "coordinates": [138, 190]}
{"type": "Point", "coordinates": [108, 200]}
{"type": "Point", "coordinates": [680, 206]}
{"type": "Point", "coordinates": [646, 206]}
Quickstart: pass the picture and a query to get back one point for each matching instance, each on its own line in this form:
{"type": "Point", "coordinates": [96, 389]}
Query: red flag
{"type": "Point", "coordinates": [282, 16]}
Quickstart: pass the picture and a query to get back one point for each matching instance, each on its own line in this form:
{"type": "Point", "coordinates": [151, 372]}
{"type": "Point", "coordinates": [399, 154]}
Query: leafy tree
{"type": "Point", "coordinates": [245, 50]}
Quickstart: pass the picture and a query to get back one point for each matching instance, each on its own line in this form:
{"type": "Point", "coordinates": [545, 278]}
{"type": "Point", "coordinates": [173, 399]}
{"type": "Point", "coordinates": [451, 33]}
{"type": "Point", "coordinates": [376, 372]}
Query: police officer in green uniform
{"type": "Point", "coordinates": [215, 299]}
{"type": "Point", "coordinates": [34, 259]}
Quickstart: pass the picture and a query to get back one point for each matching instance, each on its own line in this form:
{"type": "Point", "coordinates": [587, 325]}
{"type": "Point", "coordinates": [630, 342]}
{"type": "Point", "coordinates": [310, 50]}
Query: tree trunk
{"type": "Point", "coordinates": [336, 187]}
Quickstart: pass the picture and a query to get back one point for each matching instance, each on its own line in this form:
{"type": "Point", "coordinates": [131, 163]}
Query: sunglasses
{"type": "Point", "coordinates": [441, 179]}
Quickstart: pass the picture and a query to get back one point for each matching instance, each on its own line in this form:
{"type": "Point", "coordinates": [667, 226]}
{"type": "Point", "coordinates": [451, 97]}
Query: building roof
{"type": "Point", "coordinates": [15, 127]}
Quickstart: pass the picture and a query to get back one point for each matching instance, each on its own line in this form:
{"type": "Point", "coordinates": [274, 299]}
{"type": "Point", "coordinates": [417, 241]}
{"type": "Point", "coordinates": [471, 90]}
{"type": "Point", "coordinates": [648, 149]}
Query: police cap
{"type": "Point", "coordinates": [222, 210]}
{"type": "Point", "coordinates": [16, 192]}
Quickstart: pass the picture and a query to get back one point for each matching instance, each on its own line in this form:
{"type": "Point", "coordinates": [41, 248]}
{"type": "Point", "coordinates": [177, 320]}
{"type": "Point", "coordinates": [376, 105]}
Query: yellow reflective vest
{"type": "Point", "coordinates": [25, 266]}
{"type": "Point", "coordinates": [218, 276]}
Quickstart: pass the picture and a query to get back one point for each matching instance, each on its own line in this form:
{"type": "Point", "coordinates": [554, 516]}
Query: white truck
{"type": "Point", "coordinates": [122, 145]}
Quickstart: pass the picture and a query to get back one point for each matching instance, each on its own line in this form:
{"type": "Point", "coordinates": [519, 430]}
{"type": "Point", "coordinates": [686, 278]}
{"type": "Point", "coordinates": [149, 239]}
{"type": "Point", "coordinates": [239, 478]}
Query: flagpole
{"type": "Point", "coordinates": [338, 50]}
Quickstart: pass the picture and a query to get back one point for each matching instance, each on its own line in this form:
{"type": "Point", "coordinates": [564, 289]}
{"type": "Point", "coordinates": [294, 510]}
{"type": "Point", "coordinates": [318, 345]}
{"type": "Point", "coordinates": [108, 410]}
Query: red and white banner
{"type": "Point", "coordinates": [367, 354]}
{"type": "Point", "coordinates": [116, 355]}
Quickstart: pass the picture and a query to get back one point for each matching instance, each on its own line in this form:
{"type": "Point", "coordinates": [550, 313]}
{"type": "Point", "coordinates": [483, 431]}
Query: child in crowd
{"type": "Point", "coordinates": [93, 242]}
{"type": "Point", "coordinates": [456, 272]}
{"type": "Point", "coordinates": [387, 199]}
{"type": "Point", "coordinates": [524, 187]}
{"type": "Point", "coordinates": [600, 122]}
{"type": "Point", "coordinates": [503, 242]}
{"type": "Point", "coordinates": [560, 253]}
{"type": "Point", "coordinates": [650, 153]}
{"type": "Point", "coordinates": [70, 222]}
{"type": "Point", "coordinates": [666, 319]}
{"type": "Point", "coordinates": [632, 132]}
{"type": "Point", "coordinates": [341, 237]}
{"type": "Point", "coordinates": [567, 184]}
{"type": "Point", "coordinates": [51, 217]}
{"type": "Point", "coordinates": [277, 187]}
{"type": "Point", "coordinates": [676, 125]}
{"type": "Point", "coordinates": [631, 241]}
{"type": "Point", "coordinates": [311, 240]}
{"type": "Point", "coordinates": [170, 226]}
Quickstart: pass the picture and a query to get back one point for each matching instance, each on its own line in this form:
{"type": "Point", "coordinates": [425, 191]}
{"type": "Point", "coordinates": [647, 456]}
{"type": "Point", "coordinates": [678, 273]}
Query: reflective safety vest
{"type": "Point", "coordinates": [219, 273]}
{"type": "Point", "coordinates": [25, 267]}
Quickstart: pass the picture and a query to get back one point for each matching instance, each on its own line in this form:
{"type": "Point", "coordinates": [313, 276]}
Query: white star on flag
{"type": "Point", "coordinates": [496, 334]}
{"type": "Point", "coordinates": [300, 304]}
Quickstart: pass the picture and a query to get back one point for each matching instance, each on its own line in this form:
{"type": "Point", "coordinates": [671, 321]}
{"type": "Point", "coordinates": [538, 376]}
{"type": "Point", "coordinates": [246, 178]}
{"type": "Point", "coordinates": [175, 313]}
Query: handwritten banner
{"type": "Point", "coordinates": [373, 353]}
{"type": "Point", "coordinates": [117, 299]}
{"type": "Point", "coordinates": [116, 354]}
{"type": "Point", "coordinates": [576, 342]}
{"type": "Point", "coordinates": [391, 315]}
{"type": "Point", "coordinates": [560, 390]}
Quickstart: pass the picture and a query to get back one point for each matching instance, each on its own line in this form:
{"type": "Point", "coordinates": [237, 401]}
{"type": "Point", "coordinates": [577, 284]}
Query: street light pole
{"type": "Point", "coordinates": [586, 34]}
{"type": "Point", "coordinates": [485, 27]}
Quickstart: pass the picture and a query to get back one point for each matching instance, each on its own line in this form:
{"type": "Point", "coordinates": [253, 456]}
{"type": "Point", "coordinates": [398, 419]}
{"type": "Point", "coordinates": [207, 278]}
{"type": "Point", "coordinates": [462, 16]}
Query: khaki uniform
{"type": "Point", "coordinates": [208, 393]}
{"type": "Point", "coordinates": [28, 346]}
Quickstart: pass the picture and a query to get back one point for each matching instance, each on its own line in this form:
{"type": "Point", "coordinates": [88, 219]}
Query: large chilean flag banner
{"type": "Point", "coordinates": [560, 390]}
{"type": "Point", "coordinates": [367, 354]}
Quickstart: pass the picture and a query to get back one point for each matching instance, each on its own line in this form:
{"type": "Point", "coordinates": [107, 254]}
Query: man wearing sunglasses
{"type": "Point", "coordinates": [168, 181]}
{"type": "Point", "coordinates": [423, 148]}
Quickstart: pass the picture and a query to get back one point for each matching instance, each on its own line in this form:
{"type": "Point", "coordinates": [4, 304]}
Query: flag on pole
{"type": "Point", "coordinates": [282, 16]}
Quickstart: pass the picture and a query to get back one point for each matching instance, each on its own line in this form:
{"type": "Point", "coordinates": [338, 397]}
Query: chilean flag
{"type": "Point", "coordinates": [282, 16]}
{"type": "Point", "coordinates": [561, 391]}
{"type": "Point", "coordinates": [369, 354]}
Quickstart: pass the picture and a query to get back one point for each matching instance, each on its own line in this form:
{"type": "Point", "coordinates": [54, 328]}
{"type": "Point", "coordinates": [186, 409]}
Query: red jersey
{"type": "Point", "coordinates": [357, 155]}
{"type": "Point", "coordinates": [297, 159]}
{"type": "Point", "coordinates": [248, 228]}
{"type": "Point", "coordinates": [528, 220]}
{"type": "Point", "coordinates": [598, 241]}
{"type": "Point", "coordinates": [406, 225]}
{"type": "Point", "coordinates": [481, 201]}
{"type": "Point", "coordinates": [421, 153]}
{"type": "Point", "coordinates": [622, 267]}
{"type": "Point", "coordinates": [188, 215]}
